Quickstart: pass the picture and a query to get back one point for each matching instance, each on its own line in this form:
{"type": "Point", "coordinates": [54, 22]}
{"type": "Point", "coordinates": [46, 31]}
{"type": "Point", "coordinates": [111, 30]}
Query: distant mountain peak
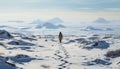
{"type": "Point", "coordinates": [50, 26]}
{"type": "Point", "coordinates": [54, 23]}
{"type": "Point", "coordinates": [55, 20]}
{"type": "Point", "coordinates": [101, 20]}
{"type": "Point", "coordinates": [37, 21]}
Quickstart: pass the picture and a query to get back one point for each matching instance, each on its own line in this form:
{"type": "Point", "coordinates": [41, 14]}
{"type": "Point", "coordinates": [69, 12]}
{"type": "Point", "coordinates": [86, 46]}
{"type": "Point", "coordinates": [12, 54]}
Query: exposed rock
{"type": "Point", "coordinates": [5, 35]}
{"type": "Point", "coordinates": [113, 54]}
{"type": "Point", "coordinates": [21, 58]}
{"type": "Point", "coordinates": [98, 44]}
{"type": "Point", "coordinates": [6, 65]}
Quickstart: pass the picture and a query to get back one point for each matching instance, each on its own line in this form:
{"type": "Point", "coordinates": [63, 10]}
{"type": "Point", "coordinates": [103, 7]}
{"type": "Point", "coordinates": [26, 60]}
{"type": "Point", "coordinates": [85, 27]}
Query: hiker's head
{"type": "Point", "coordinates": [60, 32]}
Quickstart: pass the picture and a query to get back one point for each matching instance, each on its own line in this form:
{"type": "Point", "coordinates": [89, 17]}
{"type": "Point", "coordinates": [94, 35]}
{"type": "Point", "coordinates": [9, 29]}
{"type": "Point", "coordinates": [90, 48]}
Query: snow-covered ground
{"type": "Point", "coordinates": [29, 45]}
{"type": "Point", "coordinates": [45, 52]}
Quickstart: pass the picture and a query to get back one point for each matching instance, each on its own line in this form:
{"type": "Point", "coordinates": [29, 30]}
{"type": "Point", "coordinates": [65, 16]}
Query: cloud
{"type": "Point", "coordinates": [60, 4]}
{"type": "Point", "coordinates": [113, 9]}
{"type": "Point", "coordinates": [69, 10]}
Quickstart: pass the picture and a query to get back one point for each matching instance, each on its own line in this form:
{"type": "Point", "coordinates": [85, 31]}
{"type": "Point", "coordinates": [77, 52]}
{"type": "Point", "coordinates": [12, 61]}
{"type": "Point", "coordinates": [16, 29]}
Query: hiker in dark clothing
{"type": "Point", "coordinates": [60, 37]}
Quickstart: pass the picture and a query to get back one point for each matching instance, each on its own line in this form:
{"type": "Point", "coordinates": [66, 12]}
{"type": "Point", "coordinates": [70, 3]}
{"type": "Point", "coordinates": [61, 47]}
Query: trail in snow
{"type": "Point", "coordinates": [62, 55]}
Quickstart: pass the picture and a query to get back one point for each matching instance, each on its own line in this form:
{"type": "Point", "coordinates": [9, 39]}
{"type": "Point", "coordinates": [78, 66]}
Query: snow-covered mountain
{"type": "Point", "coordinates": [37, 21]}
{"type": "Point", "coordinates": [50, 26]}
{"type": "Point", "coordinates": [101, 20]}
{"type": "Point", "coordinates": [55, 20]}
{"type": "Point", "coordinates": [54, 23]}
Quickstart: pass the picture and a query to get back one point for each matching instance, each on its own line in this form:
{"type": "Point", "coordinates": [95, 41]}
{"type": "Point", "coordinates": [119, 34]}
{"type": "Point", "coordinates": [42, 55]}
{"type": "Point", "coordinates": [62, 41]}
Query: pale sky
{"type": "Point", "coordinates": [68, 10]}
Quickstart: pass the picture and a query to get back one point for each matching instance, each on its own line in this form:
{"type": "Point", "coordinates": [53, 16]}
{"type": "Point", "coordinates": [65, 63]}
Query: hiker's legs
{"type": "Point", "coordinates": [60, 40]}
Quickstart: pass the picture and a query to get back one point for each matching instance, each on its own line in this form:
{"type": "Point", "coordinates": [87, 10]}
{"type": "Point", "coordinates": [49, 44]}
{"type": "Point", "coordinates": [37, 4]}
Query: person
{"type": "Point", "coordinates": [60, 37]}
